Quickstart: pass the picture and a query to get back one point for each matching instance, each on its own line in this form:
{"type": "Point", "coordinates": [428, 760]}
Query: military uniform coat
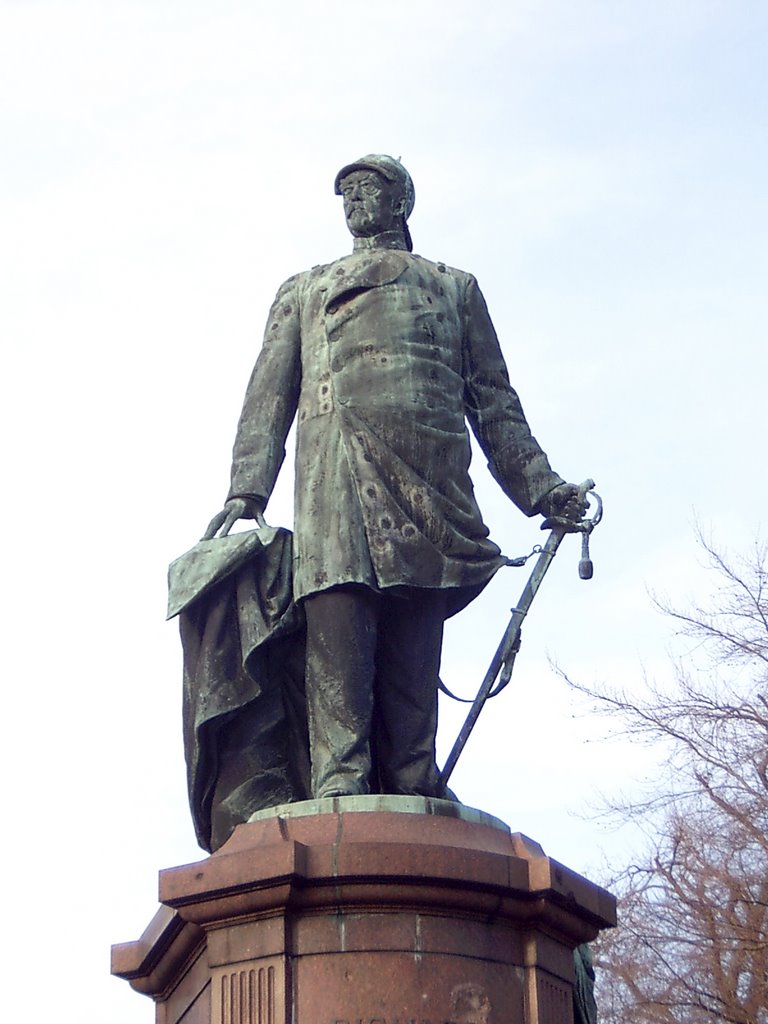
{"type": "Point", "coordinates": [383, 357]}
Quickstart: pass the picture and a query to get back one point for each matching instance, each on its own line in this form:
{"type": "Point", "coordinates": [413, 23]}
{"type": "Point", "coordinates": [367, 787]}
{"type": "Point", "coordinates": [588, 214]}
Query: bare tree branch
{"type": "Point", "coordinates": [692, 945]}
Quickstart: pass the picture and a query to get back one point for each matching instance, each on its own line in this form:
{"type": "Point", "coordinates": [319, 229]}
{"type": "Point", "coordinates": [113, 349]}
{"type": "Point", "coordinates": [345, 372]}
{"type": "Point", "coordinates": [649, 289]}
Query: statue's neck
{"type": "Point", "coordinates": [385, 240]}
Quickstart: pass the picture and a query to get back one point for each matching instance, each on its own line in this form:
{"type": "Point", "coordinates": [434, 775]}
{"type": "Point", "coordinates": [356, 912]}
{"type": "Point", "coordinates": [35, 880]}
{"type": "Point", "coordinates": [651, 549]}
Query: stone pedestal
{"type": "Point", "coordinates": [367, 910]}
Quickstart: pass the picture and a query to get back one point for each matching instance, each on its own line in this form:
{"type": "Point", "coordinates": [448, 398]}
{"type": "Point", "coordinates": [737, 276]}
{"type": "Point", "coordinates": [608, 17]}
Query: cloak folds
{"type": "Point", "coordinates": [243, 641]}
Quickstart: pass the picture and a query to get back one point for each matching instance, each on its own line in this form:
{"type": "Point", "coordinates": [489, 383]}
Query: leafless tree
{"type": "Point", "coordinates": [692, 946]}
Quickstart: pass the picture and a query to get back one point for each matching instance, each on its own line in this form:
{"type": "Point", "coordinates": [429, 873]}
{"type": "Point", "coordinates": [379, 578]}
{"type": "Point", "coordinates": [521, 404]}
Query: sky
{"type": "Point", "coordinates": [600, 167]}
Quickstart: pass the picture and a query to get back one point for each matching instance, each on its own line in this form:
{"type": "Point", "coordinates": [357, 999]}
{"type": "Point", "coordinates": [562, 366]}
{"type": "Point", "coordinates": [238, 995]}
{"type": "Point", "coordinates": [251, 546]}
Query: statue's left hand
{"type": "Point", "coordinates": [564, 501]}
{"type": "Point", "coordinates": [235, 508]}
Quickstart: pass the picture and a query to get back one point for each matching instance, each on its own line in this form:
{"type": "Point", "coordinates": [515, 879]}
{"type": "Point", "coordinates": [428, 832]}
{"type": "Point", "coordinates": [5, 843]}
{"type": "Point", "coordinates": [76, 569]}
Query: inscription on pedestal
{"type": "Point", "coordinates": [469, 1005]}
{"type": "Point", "coordinates": [384, 1020]}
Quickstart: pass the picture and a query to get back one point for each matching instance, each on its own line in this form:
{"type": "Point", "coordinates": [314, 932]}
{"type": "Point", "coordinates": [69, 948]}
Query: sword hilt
{"type": "Point", "coordinates": [583, 526]}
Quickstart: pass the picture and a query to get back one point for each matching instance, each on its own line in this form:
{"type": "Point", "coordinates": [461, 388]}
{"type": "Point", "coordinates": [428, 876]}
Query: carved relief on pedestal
{"type": "Point", "coordinates": [246, 996]}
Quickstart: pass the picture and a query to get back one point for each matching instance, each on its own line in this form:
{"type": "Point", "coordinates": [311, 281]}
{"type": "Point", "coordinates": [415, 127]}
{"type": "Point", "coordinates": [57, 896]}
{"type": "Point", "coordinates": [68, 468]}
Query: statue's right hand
{"type": "Point", "coordinates": [235, 508]}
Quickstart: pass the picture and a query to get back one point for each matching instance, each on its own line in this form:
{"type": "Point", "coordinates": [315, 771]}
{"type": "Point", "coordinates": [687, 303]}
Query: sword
{"type": "Point", "coordinates": [504, 659]}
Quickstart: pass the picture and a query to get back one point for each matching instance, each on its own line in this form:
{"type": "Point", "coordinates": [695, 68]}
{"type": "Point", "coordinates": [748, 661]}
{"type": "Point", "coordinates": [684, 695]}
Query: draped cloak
{"type": "Point", "coordinates": [244, 714]}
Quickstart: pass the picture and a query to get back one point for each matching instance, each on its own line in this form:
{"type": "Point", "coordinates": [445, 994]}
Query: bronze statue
{"type": "Point", "coordinates": [382, 355]}
{"type": "Point", "coordinates": [382, 358]}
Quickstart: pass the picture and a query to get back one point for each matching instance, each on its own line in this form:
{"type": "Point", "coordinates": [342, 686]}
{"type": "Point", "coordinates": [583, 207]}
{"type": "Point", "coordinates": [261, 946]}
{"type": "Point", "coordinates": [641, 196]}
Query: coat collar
{"type": "Point", "coordinates": [385, 240]}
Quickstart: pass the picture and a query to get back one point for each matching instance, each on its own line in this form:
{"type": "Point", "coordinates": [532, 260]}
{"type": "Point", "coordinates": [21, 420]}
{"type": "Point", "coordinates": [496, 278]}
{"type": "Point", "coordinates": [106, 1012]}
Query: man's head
{"type": "Point", "coordinates": [378, 196]}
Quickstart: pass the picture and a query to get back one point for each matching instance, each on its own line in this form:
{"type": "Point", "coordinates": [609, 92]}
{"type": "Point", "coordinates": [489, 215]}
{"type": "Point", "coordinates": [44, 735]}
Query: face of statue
{"type": "Point", "coordinates": [371, 203]}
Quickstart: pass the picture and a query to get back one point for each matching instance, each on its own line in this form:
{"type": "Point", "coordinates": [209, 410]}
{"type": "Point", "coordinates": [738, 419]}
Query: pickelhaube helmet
{"type": "Point", "coordinates": [390, 169]}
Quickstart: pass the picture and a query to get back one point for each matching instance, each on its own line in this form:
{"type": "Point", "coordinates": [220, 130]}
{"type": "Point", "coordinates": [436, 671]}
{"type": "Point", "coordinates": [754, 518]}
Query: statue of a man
{"type": "Point", "coordinates": [382, 358]}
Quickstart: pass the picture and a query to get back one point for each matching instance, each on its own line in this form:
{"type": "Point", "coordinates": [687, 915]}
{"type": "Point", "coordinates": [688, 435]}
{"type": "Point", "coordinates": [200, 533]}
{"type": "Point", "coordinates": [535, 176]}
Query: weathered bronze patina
{"type": "Point", "coordinates": [382, 358]}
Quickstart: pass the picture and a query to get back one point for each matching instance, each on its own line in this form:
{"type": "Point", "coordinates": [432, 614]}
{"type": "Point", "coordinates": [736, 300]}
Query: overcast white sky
{"type": "Point", "coordinates": [599, 166]}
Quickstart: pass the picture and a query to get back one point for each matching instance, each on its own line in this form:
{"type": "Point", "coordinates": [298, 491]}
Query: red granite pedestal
{"type": "Point", "coordinates": [367, 910]}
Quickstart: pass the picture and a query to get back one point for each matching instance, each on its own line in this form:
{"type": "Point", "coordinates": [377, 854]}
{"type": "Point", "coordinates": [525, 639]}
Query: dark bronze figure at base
{"type": "Point", "coordinates": [382, 359]}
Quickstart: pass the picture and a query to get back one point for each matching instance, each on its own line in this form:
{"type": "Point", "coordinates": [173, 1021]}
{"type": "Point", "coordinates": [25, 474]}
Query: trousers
{"type": "Point", "coordinates": [372, 667]}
